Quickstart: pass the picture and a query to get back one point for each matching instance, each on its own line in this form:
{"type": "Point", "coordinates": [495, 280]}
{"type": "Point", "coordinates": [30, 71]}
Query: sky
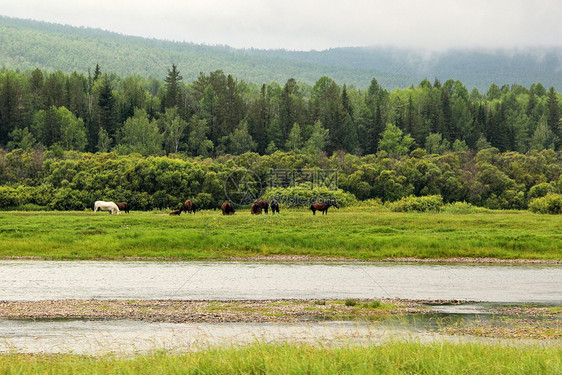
{"type": "Point", "coordinates": [314, 24]}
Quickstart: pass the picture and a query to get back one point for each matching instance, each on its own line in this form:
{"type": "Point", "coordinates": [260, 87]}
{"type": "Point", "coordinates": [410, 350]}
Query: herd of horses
{"type": "Point", "coordinates": [227, 208]}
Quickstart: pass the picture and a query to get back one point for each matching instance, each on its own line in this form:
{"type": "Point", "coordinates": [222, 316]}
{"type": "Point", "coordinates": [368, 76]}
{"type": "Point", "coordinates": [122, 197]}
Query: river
{"type": "Point", "coordinates": [229, 280]}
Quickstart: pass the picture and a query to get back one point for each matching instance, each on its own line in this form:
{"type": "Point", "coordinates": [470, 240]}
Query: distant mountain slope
{"type": "Point", "coordinates": [475, 68]}
{"type": "Point", "coordinates": [26, 44]}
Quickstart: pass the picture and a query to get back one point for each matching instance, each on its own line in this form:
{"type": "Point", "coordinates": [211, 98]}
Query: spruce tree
{"type": "Point", "coordinates": [553, 116]}
{"type": "Point", "coordinates": [172, 95]}
{"type": "Point", "coordinates": [350, 137]}
{"type": "Point", "coordinates": [107, 108]}
{"type": "Point", "coordinates": [97, 73]}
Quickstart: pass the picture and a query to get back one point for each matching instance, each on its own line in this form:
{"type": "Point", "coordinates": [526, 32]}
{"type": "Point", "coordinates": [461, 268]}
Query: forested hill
{"type": "Point", "coordinates": [476, 68]}
{"type": "Point", "coordinates": [28, 44]}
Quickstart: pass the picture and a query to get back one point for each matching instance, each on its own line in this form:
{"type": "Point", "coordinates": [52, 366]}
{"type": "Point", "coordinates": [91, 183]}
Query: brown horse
{"type": "Point", "coordinates": [124, 206]}
{"type": "Point", "coordinates": [263, 204]}
{"type": "Point", "coordinates": [176, 212]}
{"type": "Point", "coordinates": [227, 208]}
{"type": "Point", "coordinates": [274, 207]}
{"type": "Point", "coordinates": [255, 209]}
{"type": "Point", "coordinates": [188, 207]}
{"type": "Point", "coordinates": [321, 206]}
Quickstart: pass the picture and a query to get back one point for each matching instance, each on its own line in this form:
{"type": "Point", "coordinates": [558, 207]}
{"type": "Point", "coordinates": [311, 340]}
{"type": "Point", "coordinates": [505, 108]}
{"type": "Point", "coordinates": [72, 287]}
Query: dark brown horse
{"type": "Point", "coordinates": [188, 207]}
{"type": "Point", "coordinates": [322, 206]}
{"type": "Point", "coordinates": [274, 206]}
{"type": "Point", "coordinates": [227, 208]}
{"type": "Point", "coordinates": [255, 209]}
{"type": "Point", "coordinates": [263, 204]}
{"type": "Point", "coordinates": [124, 206]}
{"type": "Point", "coordinates": [176, 212]}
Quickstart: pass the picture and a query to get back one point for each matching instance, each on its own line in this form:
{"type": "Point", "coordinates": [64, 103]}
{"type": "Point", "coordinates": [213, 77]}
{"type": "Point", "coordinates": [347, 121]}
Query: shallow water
{"type": "Point", "coordinates": [45, 280]}
{"type": "Point", "coordinates": [129, 337]}
{"type": "Point", "coordinates": [125, 336]}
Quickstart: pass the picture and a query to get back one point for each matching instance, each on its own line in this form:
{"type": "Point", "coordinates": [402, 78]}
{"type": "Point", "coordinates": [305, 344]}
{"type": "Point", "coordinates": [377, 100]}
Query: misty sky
{"type": "Point", "coordinates": [310, 24]}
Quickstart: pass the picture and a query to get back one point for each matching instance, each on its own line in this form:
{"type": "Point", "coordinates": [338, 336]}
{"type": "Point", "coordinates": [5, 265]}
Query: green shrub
{"type": "Point", "coordinates": [549, 204]}
{"type": "Point", "coordinates": [350, 302]}
{"type": "Point", "coordinates": [66, 199]}
{"type": "Point", "coordinates": [303, 196]}
{"type": "Point", "coordinates": [9, 197]}
{"type": "Point", "coordinates": [418, 204]}
{"type": "Point", "coordinates": [204, 201]}
{"type": "Point", "coordinates": [542, 189]}
{"type": "Point", "coordinates": [372, 305]}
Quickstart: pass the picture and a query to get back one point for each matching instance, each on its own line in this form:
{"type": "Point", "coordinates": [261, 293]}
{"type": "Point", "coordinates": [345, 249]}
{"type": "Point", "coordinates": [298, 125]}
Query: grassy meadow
{"type": "Point", "coordinates": [388, 358]}
{"type": "Point", "coordinates": [346, 233]}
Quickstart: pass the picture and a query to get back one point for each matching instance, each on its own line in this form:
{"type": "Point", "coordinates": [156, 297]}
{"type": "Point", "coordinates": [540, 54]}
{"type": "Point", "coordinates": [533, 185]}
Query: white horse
{"type": "Point", "coordinates": [106, 206]}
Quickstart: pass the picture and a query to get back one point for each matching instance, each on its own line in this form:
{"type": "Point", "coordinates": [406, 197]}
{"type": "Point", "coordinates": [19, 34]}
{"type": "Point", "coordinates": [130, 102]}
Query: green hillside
{"type": "Point", "coordinates": [29, 44]}
{"type": "Point", "coordinates": [26, 44]}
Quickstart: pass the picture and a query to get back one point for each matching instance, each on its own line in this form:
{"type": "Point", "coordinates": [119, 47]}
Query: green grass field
{"type": "Point", "coordinates": [346, 233]}
{"type": "Point", "coordinates": [388, 358]}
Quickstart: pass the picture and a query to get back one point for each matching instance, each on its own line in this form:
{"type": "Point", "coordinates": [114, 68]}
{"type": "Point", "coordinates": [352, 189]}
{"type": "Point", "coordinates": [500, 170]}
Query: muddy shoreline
{"type": "Point", "coordinates": [195, 311]}
{"type": "Point", "coordinates": [306, 258]}
{"type": "Point", "coordinates": [515, 322]}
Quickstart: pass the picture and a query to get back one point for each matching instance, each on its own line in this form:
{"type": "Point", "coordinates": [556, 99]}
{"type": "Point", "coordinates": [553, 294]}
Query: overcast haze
{"type": "Point", "coordinates": [308, 24]}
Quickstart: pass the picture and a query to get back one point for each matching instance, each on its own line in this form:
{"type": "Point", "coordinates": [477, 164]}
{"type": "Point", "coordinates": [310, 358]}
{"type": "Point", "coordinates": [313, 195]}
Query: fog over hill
{"type": "Point", "coordinates": [26, 44]}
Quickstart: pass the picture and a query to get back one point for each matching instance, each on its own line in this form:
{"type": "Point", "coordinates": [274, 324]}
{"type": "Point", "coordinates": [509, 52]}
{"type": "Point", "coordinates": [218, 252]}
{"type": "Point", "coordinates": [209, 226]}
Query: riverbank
{"type": "Point", "coordinates": [172, 311]}
{"type": "Point", "coordinates": [488, 237]}
{"type": "Point", "coordinates": [311, 259]}
{"type": "Point", "coordinates": [507, 322]}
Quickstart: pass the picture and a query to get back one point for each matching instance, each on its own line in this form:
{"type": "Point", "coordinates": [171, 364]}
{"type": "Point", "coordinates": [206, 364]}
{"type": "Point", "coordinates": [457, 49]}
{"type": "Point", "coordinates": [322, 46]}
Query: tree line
{"type": "Point", "coordinates": [70, 180]}
{"type": "Point", "coordinates": [218, 115]}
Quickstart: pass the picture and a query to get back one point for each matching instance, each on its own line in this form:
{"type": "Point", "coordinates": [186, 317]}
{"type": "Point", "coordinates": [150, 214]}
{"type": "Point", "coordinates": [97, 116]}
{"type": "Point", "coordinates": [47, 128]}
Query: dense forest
{"type": "Point", "coordinates": [218, 114]}
{"type": "Point", "coordinates": [27, 45]}
{"type": "Point", "coordinates": [69, 139]}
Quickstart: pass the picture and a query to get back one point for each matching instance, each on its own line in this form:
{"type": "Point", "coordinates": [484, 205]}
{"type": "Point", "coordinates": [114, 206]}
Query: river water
{"type": "Point", "coordinates": [222, 280]}
{"type": "Point", "coordinates": [124, 336]}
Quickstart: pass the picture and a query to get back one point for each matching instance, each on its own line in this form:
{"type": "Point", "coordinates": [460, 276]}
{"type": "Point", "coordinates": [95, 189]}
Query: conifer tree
{"type": "Point", "coordinates": [350, 137]}
{"type": "Point", "coordinates": [553, 117]}
{"type": "Point", "coordinates": [97, 73]}
{"type": "Point", "coordinates": [107, 108]}
{"type": "Point", "coordinates": [172, 86]}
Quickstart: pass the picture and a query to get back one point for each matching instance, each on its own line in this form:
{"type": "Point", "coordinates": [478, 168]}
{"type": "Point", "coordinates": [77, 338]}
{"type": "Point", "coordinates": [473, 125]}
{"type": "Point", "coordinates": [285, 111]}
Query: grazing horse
{"type": "Point", "coordinates": [255, 209]}
{"type": "Point", "coordinates": [263, 204]}
{"type": "Point", "coordinates": [188, 207]}
{"type": "Point", "coordinates": [106, 206]}
{"type": "Point", "coordinates": [321, 206]}
{"type": "Point", "coordinates": [227, 208]}
{"type": "Point", "coordinates": [176, 212]}
{"type": "Point", "coordinates": [124, 206]}
{"type": "Point", "coordinates": [274, 207]}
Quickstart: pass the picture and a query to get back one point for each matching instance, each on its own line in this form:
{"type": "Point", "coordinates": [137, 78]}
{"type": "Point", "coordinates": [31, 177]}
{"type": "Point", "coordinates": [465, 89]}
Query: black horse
{"type": "Point", "coordinates": [274, 206]}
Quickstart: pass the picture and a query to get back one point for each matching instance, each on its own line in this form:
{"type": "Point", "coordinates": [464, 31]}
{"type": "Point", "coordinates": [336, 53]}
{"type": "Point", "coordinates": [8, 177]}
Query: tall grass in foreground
{"type": "Point", "coordinates": [389, 358]}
